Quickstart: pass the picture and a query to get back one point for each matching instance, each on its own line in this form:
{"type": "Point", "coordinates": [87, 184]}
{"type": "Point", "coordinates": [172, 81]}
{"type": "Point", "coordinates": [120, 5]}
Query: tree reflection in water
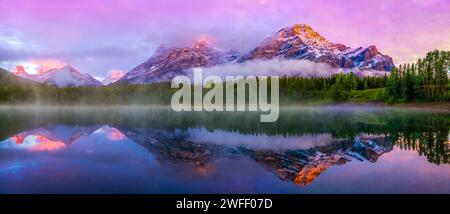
{"type": "Point", "coordinates": [298, 148]}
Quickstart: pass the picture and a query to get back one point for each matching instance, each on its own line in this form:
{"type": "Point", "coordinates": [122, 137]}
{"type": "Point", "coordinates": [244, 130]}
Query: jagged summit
{"type": "Point", "coordinates": [302, 42]}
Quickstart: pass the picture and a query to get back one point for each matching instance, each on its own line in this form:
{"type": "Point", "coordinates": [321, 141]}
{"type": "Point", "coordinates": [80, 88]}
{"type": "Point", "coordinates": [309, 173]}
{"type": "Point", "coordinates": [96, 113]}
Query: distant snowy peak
{"type": "Point", "coordinates": [113, 76]}
{"type": "Point", "coordinates": [60, 77]}
{"type": "Point", "coordinates": [167, 62]}
{"type": "Point", "coordinates": [298, 42]}
{"type": "Point", "coordinates": [302, 42]}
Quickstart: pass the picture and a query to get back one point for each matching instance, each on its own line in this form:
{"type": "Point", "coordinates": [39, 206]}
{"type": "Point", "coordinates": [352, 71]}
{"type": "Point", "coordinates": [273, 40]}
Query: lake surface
{"type": "Point", "coordinates": [155, 150]}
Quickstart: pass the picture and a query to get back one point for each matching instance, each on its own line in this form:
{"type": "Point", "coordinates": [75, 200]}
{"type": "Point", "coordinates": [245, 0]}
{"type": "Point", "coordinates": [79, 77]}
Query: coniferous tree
{"type": "Point", "coordinates": [408, 82]}
{"type": "Point", "coordinates": [392, 86]}
{"type": "Point", "coordinates": [427, 80]}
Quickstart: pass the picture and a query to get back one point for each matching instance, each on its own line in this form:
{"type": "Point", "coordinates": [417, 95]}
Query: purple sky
{"type": "Point", "coordinates": [101, 35]}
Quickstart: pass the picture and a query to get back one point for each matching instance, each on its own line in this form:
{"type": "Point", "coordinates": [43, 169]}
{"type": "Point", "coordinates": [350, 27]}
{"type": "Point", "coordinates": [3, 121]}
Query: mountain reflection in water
{"type": "Point", "coordinates": [159, 145]}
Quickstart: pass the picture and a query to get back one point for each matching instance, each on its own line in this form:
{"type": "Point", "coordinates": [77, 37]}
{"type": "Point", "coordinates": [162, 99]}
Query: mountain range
{"type": "Point", "coordinates": [298, 42]}
{"type": "Point", "coordinates": [167, 62]}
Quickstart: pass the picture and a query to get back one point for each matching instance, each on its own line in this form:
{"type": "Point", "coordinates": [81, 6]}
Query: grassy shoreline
{"type": "Point", "coordinates": [160, 98]}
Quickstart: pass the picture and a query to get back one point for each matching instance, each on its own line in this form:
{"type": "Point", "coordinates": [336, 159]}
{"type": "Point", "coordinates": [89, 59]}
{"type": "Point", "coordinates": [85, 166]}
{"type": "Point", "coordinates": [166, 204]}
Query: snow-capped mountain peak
{"type": "Point", "coordinates": [297, 42]}
{"type": "Point", "coordinates": [304, 32]}
{"type": "Point", "coordinates": [167, 62]}
{"type": "Point", "coordinates": [20, 70]}
{"type": "Point", "coordinates": [302, 42]}
{"type": "Point", "coordinates": [113, 76]}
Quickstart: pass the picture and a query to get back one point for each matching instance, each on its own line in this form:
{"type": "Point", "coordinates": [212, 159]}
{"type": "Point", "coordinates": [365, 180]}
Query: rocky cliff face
{"type": "Point", "coordinates": [113, 76]}
{"type": "Point", "coordinates": [167, 62]}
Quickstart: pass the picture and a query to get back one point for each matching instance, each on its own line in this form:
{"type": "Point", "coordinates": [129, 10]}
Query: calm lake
{"type": "Point", "coordinates": [155, 150]}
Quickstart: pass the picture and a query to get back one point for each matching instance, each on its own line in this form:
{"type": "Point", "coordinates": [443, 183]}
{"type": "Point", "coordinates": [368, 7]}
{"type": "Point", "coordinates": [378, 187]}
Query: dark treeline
{"type": "Point", "coordinates": [337, 87]}
{"type": "Point", "coordinates": [425, 80]}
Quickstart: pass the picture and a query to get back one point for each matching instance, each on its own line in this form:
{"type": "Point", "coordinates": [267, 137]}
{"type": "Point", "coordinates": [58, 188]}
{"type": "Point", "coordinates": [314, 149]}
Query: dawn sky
{"type": "Point", "coordinates": [97, 36]}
